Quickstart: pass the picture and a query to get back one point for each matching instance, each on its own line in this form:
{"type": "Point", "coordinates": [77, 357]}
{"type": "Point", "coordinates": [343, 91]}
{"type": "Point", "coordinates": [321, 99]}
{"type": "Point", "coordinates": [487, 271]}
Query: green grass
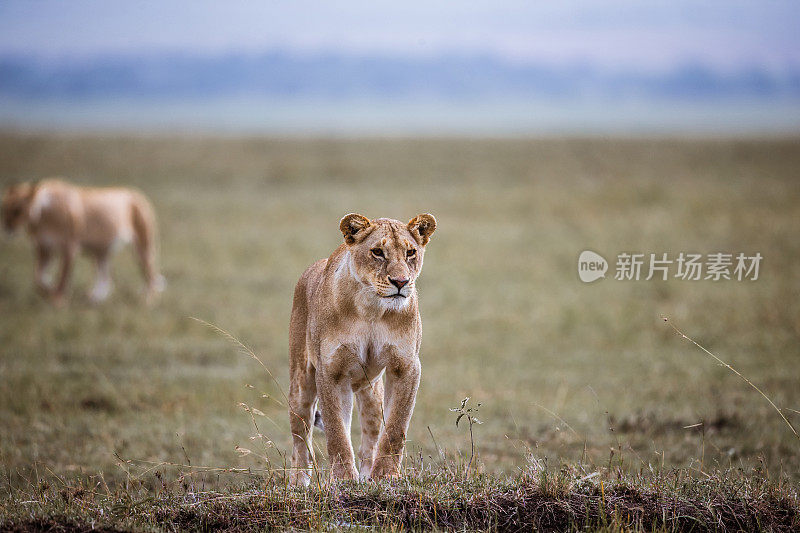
{"type": "Point", "coordinates": [506, 319]}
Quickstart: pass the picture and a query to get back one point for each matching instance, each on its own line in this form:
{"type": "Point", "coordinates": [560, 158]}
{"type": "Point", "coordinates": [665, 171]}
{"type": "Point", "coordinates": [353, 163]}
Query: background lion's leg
{"type": "Point", "coordinates": [68, 254]}
{"type": "Point", "coordinates": [370, 411]}
{"type": "Point", "coordinates": [44, 255]}
{"type": "Point", "coordinates": [102, 283]}
{"type": "Point", "coordinates": [144, 237]}
{"type": "Point", "coordinates": [302, 407]}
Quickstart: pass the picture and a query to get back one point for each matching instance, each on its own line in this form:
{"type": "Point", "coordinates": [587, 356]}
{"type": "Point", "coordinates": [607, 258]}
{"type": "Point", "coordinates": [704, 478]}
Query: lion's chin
{"type": "Point", "coordinates": [395, 302]}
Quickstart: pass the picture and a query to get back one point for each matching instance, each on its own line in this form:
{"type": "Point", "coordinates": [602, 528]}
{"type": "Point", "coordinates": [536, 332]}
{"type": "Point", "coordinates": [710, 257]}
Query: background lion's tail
{"type": "Point", "coordinates": [145, 240]}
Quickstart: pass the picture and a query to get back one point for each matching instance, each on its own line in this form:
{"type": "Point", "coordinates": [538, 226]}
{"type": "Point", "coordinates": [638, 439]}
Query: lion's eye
{"type": "Point", "coordinates": [377, 252]}
{"type": "Point", "coordinates": [411, 253]}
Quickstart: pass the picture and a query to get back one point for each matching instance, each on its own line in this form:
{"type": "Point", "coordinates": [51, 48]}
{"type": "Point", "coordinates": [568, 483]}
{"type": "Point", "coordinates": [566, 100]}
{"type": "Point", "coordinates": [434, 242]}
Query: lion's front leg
{"type": "Point", "coordinates": [44, 255]}
{"type": "Point", "coordinates": [370, 411]}
{"type": "Point", "coordinates": [68, 254]}
{"type": "Point", "coordinates": [302, 399]}
{"type": "Point", "coordinates": [336, 401]}
{"type": "Point", "coordinates": [402, 382]}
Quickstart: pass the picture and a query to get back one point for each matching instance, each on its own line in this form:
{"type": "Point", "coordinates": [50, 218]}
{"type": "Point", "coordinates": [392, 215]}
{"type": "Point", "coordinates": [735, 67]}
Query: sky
{"type": "Point", "coordinates": [646, 35]}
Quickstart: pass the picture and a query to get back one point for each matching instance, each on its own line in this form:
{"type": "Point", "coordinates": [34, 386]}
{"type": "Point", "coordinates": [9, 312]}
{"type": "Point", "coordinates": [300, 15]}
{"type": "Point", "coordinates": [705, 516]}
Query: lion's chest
{"type": "Point", "coordinates": [364, 350]}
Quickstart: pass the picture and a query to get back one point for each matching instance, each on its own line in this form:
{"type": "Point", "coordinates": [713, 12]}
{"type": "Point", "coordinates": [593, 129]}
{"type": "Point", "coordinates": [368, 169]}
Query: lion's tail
{"type": "Point", "coordinates": [145, 237]}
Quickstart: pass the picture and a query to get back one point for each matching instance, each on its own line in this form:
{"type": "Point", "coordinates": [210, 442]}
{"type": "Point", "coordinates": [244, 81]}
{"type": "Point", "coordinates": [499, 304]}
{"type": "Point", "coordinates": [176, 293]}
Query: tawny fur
{"type": "Point", "coordinates": [62, 219]}
{"type": "Point", "coordinates": [350, 326]}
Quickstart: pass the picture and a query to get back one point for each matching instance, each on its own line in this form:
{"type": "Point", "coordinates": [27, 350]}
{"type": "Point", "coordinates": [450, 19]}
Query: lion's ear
{"type": "Point", "coordinates": [20, 189]}
{"type": "Point", "coordinates": [422, 227]}
{"type": "Point", "coordinates": [352, 225]}
{"type": "Point", "coordinates": [19, 192]}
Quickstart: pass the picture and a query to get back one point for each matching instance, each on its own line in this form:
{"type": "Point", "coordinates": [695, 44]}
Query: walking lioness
{"type": "Point", "coordinates": [354, 316]}
{"type": "Point", "coordinates": [62, 218]}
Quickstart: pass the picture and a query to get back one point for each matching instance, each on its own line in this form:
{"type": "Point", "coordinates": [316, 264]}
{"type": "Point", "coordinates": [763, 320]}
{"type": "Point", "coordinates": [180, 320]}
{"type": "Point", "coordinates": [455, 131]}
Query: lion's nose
{"type": "Point", "coordinates": [399, 283]}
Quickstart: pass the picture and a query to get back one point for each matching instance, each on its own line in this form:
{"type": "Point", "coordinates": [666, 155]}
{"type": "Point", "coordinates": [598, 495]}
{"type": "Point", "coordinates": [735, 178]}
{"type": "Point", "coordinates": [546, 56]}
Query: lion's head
{"type": "Point", "coordinates": [15, 205]}
{"type": "Point", "coordinates": [386, 255]}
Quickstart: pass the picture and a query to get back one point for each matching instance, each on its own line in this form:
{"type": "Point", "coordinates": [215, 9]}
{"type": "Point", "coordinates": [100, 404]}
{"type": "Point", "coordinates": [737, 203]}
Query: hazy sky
{"type": "Point", "coordinates": [727, 33]}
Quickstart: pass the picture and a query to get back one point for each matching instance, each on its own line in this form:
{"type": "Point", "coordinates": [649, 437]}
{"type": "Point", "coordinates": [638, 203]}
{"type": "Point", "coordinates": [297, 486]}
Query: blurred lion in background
{"type": "Point", "coordinates": [62, 219]}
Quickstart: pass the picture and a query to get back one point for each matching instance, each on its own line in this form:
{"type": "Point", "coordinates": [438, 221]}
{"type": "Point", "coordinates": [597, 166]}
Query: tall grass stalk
{"type": "Point", "coordinates": [729, 367]}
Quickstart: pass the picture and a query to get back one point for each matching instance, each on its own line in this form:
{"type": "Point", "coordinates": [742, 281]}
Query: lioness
{"type": "Point", "coordinates": [62, 218]}
{"type": "Point", "coordinates": [354, 316]}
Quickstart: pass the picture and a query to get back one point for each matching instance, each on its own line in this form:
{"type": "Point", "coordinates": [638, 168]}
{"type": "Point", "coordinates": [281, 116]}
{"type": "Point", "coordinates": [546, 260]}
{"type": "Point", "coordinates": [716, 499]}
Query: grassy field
{"type": "Point", "coordinates": [566, 372]}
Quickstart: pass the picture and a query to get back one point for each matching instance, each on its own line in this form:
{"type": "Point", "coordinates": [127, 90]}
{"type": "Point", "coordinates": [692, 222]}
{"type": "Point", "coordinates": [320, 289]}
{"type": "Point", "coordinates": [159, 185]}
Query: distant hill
{"type": "Point", "coordinates": [340, 76]}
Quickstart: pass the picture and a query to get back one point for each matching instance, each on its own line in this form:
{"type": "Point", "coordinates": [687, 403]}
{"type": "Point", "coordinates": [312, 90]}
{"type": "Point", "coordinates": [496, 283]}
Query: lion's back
{"type": "Point", "coordinates": [301, 307]}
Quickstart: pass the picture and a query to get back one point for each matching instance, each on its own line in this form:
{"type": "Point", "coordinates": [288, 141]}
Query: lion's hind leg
{"type": "Point", "coordinates": [102, 284]}
{"type": "Point", "coordinates": [302, 409]}
{"type": "Point", "coordinates": [318, 423]}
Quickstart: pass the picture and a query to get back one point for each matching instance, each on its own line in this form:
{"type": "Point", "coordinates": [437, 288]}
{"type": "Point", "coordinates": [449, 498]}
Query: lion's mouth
{"type": "Point", "coordinates": [395, 295]}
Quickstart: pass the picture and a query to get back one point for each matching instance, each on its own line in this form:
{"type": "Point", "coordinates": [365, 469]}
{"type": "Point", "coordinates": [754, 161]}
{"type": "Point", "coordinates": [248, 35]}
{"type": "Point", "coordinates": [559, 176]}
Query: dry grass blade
{"type": "Point", "coordinates": [245, 349]}
{"type": "Point", "coordinates": [433, 500]}
{"type": "Point", "coordinates": [729, 367]}
{"type": "Point", "coordinates": [554, 415]}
